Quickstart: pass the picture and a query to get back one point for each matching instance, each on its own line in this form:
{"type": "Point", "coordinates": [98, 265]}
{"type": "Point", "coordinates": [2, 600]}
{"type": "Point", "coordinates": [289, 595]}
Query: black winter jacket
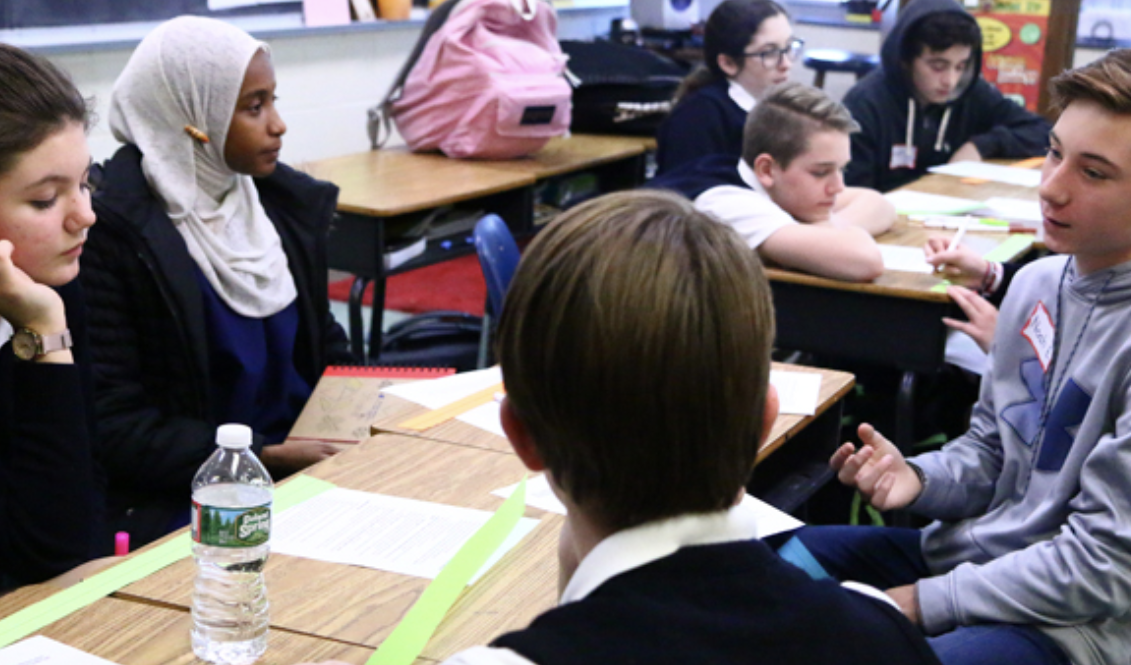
{"type": "Point", "coordinates": [150, 344]}
{"type": "Point", "coordinates": [50, 488]}
{"type": "Point", "coordinates": [999, 127]}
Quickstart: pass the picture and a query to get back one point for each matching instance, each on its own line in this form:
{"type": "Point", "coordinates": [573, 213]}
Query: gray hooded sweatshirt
{"type": "Point", "coordinates": [1034, 502]}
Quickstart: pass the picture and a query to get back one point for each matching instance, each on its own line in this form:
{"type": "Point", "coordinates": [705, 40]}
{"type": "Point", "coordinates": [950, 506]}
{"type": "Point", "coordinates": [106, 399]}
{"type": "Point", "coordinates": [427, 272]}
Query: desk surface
{"type": "Point", "coordinates": [394, 181]}
{"type": "Point", "coordinates": [362, 605]}
{"type": "Point", "coordinates": [904, 233]}
{"type": "Point", "coordinates": [577, 152]}
{"type": "Point", "coordinates": [395, 410]}
{"type": "Point", "coordinates": [135, 633]}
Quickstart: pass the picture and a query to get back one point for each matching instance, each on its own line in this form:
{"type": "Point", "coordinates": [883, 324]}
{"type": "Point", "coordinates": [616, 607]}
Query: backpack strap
{"type": "Point", "coordinates": [380, 117]}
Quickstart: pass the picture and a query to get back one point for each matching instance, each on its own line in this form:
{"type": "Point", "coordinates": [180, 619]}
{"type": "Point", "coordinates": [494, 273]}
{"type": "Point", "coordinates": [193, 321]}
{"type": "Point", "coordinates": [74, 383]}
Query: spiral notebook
{"type": "Point", "coordinates": [348, 398]}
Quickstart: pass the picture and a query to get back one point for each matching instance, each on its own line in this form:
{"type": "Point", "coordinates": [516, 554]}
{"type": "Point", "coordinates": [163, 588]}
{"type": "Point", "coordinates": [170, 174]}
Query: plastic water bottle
{"type": "Point", "coordinates": [231, 527]}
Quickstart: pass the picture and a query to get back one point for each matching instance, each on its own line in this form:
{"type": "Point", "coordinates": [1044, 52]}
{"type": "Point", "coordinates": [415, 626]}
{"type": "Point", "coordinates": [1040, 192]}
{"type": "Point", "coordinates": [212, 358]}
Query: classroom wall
{"type": "Point", "coordinates": [326, 82]}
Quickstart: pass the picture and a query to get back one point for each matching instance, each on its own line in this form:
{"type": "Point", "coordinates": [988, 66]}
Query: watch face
{"type": "Point", "coordinates": [25, 345]}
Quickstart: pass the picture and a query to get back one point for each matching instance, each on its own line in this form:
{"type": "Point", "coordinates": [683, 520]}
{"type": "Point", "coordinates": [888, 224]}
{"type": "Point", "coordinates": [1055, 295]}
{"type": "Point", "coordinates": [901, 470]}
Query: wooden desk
{"type": "Point", "coordinates": [362, 606]}
{"type": "Point", "coordinates": [895, 321]}
{"type": "Point", "coordinates": [397, 188]}
{"type": "Point", "coordinates": [386, 191]}
{"type": "Point", "coordinates": [139, 633]}
{"type": "Point", "coordinates": [785, 479]}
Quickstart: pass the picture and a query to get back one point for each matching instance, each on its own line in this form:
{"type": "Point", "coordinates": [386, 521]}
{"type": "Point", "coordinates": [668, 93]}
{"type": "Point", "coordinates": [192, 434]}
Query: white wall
{"type": "Point", "coordinates": [326, 82]}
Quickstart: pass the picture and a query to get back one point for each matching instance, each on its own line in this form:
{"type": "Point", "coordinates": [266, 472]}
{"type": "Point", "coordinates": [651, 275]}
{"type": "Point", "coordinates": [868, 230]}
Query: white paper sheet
{"type": "Point", "coordinates": [538, 494]}
{"type": "Point", "coordinates": [1018, 210]}
{"type": "Point", "coordinates": [1006, 174]}
{"type": "Point", "coordinates": [908, 203]}
{"type": "Point", "coordinates": [963, 351]}
{"type": "Point", "coordinates": [906, 259]}
{"type": "Point", "coordinates": [383, 532]}
{"type": "Point", "coordinates": [767, 519]}
{"type": "Point", "coordinates": [799, 392]}
{"type": "Point", "coordinates": [40, 650]}
{"type": "Point", "coordinates": [434, 393]}
{"type": "Point", "coordinates": [485, 417]}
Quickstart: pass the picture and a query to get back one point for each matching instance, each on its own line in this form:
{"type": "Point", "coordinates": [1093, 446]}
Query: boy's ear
{"type": "Point", "coordinates": [728, 65]}
{"type": "Point", "coordinates": [773, 403]}
{"type": "Point", "coordinates": [519, 437]}
{"type": "Point", "coordinates": [763, 168]}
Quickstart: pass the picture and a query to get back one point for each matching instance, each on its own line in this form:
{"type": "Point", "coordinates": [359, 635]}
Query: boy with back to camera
{"type": "Point", "coordinates": [786, 195]}
{"type": "Point", "coordinates": [927, 104]}
{"type": "Point", "coordinates": [1030, 559]}
{"type": "Point", "coordinates": [635, 346]}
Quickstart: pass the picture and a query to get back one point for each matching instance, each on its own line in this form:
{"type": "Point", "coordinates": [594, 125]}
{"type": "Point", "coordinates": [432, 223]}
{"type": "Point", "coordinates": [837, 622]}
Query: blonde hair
{"type": "Point", "coordinates": [781, 124]}
{"type": "Point", "coordinates": [635, 345]}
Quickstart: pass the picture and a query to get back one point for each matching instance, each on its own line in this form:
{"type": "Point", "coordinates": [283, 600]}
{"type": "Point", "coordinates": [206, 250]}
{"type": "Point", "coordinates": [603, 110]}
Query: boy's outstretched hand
{"type": "Point", "coordinates": [878, 470]}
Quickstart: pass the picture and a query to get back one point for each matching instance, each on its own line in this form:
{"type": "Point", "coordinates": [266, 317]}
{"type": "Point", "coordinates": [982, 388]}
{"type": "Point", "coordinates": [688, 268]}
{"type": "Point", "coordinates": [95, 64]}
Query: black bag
{"type": "Point", "coordinates": [435, 339]}
{"type": "Point", "coordinates": [619, 89]}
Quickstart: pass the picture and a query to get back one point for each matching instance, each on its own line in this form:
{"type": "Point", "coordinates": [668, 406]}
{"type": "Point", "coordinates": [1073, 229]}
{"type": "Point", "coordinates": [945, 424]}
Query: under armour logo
{"type": "Point", "coordinates": [1064, 418]}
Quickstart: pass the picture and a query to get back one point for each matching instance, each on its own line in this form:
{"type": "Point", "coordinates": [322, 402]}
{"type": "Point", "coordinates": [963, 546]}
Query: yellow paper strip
{"type": "Point", "coordinates": [448, 411]}
{"type": "Point", "coordinates": [409, 638]}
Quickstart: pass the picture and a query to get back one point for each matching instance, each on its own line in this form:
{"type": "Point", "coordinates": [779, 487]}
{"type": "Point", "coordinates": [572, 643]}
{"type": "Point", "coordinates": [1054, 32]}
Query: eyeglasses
{"type": "Point", "coordinates": [771, 57]}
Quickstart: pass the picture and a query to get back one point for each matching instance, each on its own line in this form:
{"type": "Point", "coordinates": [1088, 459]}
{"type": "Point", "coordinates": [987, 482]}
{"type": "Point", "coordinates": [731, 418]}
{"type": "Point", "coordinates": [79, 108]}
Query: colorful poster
{"type": "Point", "coordinates": [1014, 34]}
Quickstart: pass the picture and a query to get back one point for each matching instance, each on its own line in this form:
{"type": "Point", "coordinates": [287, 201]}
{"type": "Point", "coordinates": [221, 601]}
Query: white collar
{"type": "Point", "coordinates": [748, 177]}
{"type": "Point", "coordinates": [636, 547]}
{"type": "Point", "coordinates": [741, 96]}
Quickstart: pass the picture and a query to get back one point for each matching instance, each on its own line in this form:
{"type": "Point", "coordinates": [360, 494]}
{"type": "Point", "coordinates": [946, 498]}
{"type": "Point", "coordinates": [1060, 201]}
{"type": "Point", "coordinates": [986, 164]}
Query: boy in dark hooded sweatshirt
{"type": "Point", "coordinates": [927, 103]}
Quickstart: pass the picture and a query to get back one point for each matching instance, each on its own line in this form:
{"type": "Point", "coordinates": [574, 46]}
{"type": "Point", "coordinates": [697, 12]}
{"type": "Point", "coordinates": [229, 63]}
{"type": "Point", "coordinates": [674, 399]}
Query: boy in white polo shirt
{"type": "Point", "coordinates": [786, 196]}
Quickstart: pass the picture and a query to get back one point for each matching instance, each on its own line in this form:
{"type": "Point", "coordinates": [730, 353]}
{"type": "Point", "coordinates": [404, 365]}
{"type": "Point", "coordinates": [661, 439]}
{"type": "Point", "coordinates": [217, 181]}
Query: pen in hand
{"type": "Point", "coordinates": [958, 236]}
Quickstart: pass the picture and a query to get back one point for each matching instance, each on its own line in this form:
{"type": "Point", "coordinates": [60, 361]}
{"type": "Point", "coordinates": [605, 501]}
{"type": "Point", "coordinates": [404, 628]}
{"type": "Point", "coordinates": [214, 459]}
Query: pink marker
{"type": "Point", "coordinates": [121, 543]}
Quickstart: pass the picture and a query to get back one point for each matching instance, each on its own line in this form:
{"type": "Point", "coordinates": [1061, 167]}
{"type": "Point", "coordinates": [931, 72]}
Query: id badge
{"type": "Point", "coordinates": [1041, 333]}
{"type": "Point", "coordinates": [903, 156]}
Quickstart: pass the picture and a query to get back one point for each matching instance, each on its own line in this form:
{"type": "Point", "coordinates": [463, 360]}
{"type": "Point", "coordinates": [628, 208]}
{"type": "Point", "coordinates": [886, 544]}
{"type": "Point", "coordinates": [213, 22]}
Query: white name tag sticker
{"type": "Point", "coordinates": [903, 157]}
{"type": "Point", "coordinates": [1041, 334]}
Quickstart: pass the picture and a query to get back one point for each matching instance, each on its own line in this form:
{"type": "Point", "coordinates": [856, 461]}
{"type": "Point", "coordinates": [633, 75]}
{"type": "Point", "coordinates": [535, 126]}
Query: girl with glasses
{"type": "Point", "coordinates": [748, 46]}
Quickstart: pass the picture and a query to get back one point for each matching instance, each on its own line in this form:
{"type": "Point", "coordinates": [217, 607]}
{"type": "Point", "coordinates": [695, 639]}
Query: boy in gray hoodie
{"type": "Point", "coordinates": [1029, 559]}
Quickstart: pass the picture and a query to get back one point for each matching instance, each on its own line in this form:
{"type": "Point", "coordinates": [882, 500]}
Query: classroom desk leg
{"type": "Point", "coordinates": [904, 431]}
{"type": "Point", "coordinates": [905, 413]}
{"type": "Point", "coordinates": [357, 329]}
{"type": "Point", "coordinates": [377, 320]}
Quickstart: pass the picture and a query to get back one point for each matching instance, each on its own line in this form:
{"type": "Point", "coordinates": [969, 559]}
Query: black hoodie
{"type": "Point", "coordinates": [999, 127]}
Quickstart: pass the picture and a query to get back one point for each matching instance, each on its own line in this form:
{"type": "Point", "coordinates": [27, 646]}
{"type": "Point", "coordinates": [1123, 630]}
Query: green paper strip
{"type": "Point", "coordinates": [940, 287]}
{"type": "Point", "coordinates": [74, 598]}
{"type": "Point", "coordinates": [408, 639]}
{"type": "Point", "coordinates": [1011, 248]}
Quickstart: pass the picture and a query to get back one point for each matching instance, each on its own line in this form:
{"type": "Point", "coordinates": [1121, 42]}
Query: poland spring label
{"type": "Point", "coordinates": [231, 527]}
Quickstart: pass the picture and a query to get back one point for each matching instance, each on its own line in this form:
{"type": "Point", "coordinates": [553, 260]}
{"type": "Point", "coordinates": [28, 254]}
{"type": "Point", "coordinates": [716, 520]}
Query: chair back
{"type": "Point", "coordinates": [498, 257]}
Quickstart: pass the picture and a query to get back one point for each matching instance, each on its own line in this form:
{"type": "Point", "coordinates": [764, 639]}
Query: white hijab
{"type": "Point", "coordinates": [189, 71]}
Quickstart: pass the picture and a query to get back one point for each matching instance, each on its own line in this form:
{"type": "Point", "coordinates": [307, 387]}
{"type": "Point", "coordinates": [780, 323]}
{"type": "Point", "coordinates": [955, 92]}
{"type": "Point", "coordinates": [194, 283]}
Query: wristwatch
{"type": "Point", "coordinates": [29, 345]}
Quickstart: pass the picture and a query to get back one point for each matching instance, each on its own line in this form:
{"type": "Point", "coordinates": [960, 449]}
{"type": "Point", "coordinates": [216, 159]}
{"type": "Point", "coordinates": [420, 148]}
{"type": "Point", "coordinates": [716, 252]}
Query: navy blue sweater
{"type": "Point", "coordinates": [730, 603]}
{"type": "Point", "coordinates": [705, 122]}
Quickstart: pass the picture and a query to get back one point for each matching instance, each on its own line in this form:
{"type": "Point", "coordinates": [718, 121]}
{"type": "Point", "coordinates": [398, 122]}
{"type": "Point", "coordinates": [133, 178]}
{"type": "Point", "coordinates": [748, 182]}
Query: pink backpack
{"type": "Point", "coordinates": [485, 80]}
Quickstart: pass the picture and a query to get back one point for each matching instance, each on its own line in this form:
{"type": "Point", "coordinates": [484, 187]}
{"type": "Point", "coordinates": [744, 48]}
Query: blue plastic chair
{"type": "Point", "coordinates": [498, 257]}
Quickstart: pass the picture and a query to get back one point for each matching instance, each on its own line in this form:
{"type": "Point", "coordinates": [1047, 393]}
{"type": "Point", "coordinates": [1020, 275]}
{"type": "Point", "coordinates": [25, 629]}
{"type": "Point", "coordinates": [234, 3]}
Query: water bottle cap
{"type": "Point", "coordinates": [233, 436]}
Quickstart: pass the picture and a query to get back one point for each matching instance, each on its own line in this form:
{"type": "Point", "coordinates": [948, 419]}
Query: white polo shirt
{"type": "Point", "coordinates": [747, 210]}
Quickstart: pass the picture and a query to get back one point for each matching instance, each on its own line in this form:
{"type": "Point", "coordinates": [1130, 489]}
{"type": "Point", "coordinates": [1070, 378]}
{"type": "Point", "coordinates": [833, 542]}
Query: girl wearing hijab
{"type": "Point", "coordinates": [207, 275]}
{"type": "Point", "coordinates": [50, 494]}
{"type": "Point", "coordinates": [748, 47]}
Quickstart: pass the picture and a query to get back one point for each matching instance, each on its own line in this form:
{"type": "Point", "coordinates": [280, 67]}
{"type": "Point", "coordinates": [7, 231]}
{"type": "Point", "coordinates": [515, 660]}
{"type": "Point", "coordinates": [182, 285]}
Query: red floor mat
{"type": "Point", "coordinates": [456, 285]}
